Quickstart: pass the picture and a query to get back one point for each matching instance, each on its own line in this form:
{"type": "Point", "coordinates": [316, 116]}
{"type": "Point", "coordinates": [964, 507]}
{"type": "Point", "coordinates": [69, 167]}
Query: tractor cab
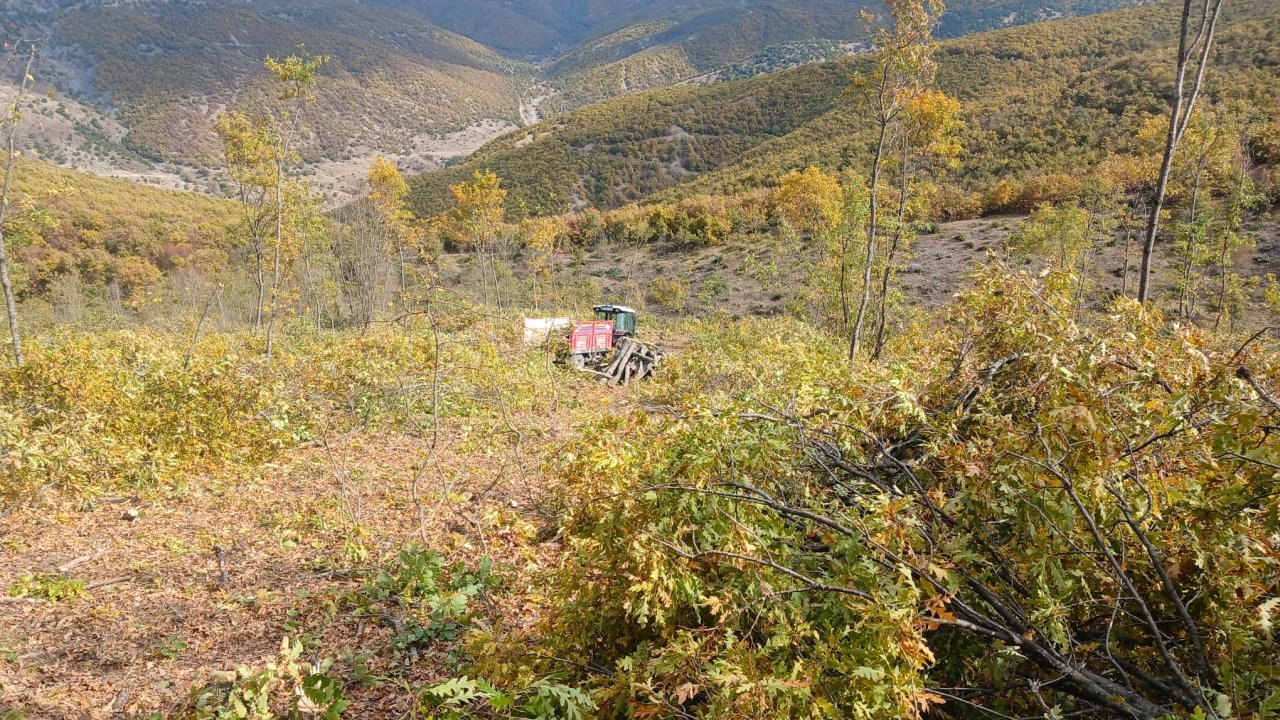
{"type": "Point", "coordinates": [622, 317]}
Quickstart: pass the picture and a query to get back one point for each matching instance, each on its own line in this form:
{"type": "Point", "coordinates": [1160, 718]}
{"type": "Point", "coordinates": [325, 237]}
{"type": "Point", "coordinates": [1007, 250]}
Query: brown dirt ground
{"type": "Point", "coordinates": [283, 526]}
{"type": "Point", "coordinates": [726, 277]}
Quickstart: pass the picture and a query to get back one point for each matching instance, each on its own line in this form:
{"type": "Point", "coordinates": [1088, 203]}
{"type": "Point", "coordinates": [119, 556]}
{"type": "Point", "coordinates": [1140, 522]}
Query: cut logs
{"type": "Point", "coordinates": [632, 360]}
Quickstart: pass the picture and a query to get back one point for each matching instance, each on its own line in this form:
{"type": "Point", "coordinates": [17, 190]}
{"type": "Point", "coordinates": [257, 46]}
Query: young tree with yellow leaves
{"type": "Point", "coordinates": [296, 76]}
{"type": "Point", "coordinates": [259, 151]}
{"type": "Point", "coordinates": [1240, 197]}
{"type": "Point", "coordinates": [373, 243]}
{"type": "Point", "coordinates": [475, 223]}
{"type": "Point", "coordinates": [1067, 234]}
{"type": "Point", "coordinates": [247, 147]}
{"type": "Point", "coordinates": [834, 217]}
{"type": "Point", "coordinates": [542, 237]}
{"type": "Point", "coordinates": [904, 68]}
{"type": "Point", "coordinates": [389, 191]}
{"type": "Point", "coordinates": [927, 141]}
{"type": "Point", "coordinates": [1209, 187]}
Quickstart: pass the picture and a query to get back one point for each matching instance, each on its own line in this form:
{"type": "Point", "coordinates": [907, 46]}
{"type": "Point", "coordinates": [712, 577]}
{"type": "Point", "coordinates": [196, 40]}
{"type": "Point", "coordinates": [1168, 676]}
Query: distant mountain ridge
{"type": "Point", "coordinates": [1043, 98]}
{"type": "Point", "coordinates": [138, 83]}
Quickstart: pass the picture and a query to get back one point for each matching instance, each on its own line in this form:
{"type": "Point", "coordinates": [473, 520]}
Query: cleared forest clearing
{"type": "Point", "coordinates": [131, 598]}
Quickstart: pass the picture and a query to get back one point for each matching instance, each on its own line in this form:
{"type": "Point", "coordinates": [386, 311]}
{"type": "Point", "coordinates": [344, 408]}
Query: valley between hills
{"type": "Point", "coordinates": [133, 89]}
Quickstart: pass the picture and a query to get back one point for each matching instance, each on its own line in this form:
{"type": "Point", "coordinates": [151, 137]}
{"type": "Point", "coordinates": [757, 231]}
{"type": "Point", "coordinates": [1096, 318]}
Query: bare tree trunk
{"type": "Point", "coordinates": [1188, 262]}
{"type": "Point", "coordinates": [845, 317]}
{"type": "Point", "coordinates": [260, 280]}
{"type": "Point", "coordinates": [1128, 243]}
{"type": "Point", "coordinates": [904, 188]}
{"type": "Point", "coordinates": [1179, 117]}
{"type": "Point", "coordinates": [10, 305]}
{"type": "Point", "coordinates": [251, 204]}
{"type": "Point", "coordinates": [497, 282]}
{"type": "Point", "coordinates": [1084, 273]}
{"type": "Point", "coordinates": [1084, 263]}
{"type": "Point", "coordinates": [311, 303]}
{"type": "Point", "coordinates": [1187, 299]}
{"type": "Point", "coordinates": [484, 275]}
{"type": "Point", "coordinates": [195, 334]}
{"type": "Point", "coordinates": [1223, 259]}
{"type": "Point", "coordinates": [855, 337]}
{"type": "Point", "coordinates": [283, 152]}
{"type": "Point", "coordinates": [222, 308]}
{"type": "Point", "coordinates": [402, 293]}
{"type": "Point", "coordinates": [275, 258]}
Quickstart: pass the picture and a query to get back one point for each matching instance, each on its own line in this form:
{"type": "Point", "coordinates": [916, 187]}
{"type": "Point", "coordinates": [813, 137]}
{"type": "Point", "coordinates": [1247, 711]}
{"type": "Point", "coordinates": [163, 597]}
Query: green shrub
{"type": "Point", "coordinates": [463, 697]}
{"type": "Point", "coordinates": [287, 686]}
{"type": "Point", "coordinates": [795, 536]}
{"type": "Point", "coordinates": [43, 586]}
{"type": "Point", "coordinates": [438, 597]}
{"type": "Point", "coordinates": [130, 409]}
{"type": "Point", "coordinates": [670, 294]}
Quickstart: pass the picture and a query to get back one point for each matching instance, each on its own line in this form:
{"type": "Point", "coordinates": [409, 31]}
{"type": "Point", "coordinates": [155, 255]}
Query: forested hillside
{"type": "Point", "coordinates": [537, 28]}
{"type": "Point", "coordinates": [1037, 99]}
{"type": "Point", "coordinates": [716, 43]}
{"type": "Point", "coordinates": [82, 240]}
{"type": "Point", "coordinates": [136, 87]}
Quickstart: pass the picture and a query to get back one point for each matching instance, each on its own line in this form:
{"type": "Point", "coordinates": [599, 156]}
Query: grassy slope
{"type": "Point", "coordinates": [1046, 96]}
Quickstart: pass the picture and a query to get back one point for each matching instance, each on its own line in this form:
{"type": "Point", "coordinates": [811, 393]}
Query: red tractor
{"type": "Point", "coordinates": [607, 346]}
